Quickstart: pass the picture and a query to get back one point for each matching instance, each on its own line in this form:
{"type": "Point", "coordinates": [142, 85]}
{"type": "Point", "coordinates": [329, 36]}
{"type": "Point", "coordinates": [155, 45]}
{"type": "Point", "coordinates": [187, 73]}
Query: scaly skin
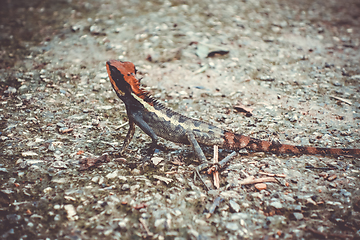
{"type": "Point", "coordinates": [158, 121]}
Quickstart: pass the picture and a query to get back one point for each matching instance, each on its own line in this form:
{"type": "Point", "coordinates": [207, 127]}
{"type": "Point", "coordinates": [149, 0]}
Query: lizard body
{"type": "Point", "coordinates": [156, 120]}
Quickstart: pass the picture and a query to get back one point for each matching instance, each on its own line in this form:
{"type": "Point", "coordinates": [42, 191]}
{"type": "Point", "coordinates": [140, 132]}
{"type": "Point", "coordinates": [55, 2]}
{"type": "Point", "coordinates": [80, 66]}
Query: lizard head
{"type": "Point", "coordinates": [123, 79]}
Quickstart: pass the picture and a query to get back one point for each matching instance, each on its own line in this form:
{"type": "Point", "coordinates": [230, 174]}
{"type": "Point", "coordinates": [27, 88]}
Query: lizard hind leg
{"type": "Point", "coordinates": [195, 145]}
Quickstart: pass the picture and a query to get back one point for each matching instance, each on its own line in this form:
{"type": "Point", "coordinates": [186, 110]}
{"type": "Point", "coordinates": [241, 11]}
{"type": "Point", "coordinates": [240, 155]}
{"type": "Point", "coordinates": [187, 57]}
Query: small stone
{"type": "Point", "coordinates": [298, 216]}
{"type": "Point", "coordinates": [59, 164]}
{"type": "Point", "coordinates": [65, 130]}
{"type": "Point", "coordinates": [34, 216]}
{"type": "Point", "coordinates": [71, 212]}
{"type": "Point", "coordinates": [232, 226]}
{"type": "Point", "coordinates": [47, 190]}
{"type": "Point", "coordinates": [314, 215]}
{"type": "Point", "coordinates": [156, 160]}
{"type": "Point", "coordinates": [355, 77]}
{"type": "Point", "coordinates": [95, 122]}
{"type": "Point", "coordinates": [112, 175]}
{"type": "Point", "coordinates": [234, 206]}
{"type": "Point", "coordinates": [125, 187]}
{"type": "Point", "coordinates": [159, 222]}
{"type": "Point", "coordinates": [276, 205]}
{"type": "Point", "coordinates": [59, 180]}
{"type": "Point", "coordinates": [136, 171]}
{"type": "Point", "coordinates": [23, 89]}
{"type": "Point", "coordinates": [276, 29]}
{"type": "Point", "coordinates": [60, 124]}
{"type": "Point", "coordinates": [10, 90]}
{"type": "Point", "coordinates": [95, 179]}
{"type": "Point", "coordinates": [51, 147]}
{"type": "Point", "coordinates": [260, 186]}
{"type": "Point", "coordinates": [29, 154]}
{"type": "Point", "coordinates": [3, 170]}
{"type": "Point", "coordinates": [310, 201]}
{"type": "Point", "coordinates": [95, 29]}
{"type": "Point", "coordinates": [332, 177]}
{"type": "Point", "coordinates": [267, 78]}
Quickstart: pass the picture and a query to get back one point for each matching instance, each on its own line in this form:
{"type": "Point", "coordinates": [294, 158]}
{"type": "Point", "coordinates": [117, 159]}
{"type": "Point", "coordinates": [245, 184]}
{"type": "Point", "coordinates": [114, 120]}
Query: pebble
{"type": "Point", "coordinates": [276, 205]}
{"type": "Point", "coordinates": [260, 186]}
{"type": "Point", "coordinates": [112, 175]}
{"type": "Point", "coordinates": [95, 29]}
{"type": "Point", "coordinates": [59, 164]}
{"type": "Point", "coordinates": [47, 190]}
{"type": "Point", "coordinates": [10, 90]}
{"type": "Point", "coordinates": [298, 216]}
{"type": "Point", "coordinates": [159, 222]}
{"type": "Point", "coordinates": [29, 154]}
{"type": "Point", "coordinates": [95, 179]}
{"type": "Point", "coordinates": [232, 226]}
{"type": "Point", "coordinates": [125, 187]}
{"type": "Point", "coordinates": [3, 170]}
{"type": "Point", "coordinates": [71, 212]}
{"type": "Point", "coordinates": [234, 206]}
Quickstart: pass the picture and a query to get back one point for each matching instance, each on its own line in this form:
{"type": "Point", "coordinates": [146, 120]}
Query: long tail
{"type": "Point", "coordinates": [238, 141]}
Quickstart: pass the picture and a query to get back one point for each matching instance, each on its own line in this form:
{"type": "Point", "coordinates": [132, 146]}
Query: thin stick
{"type": "Point", "coordinates": [222, 163]}
{"type": "Point", "coordinates": [122, 125]}
{"type": "Point", "coordinates": [142, 221]}
{"type": "Point", "coordinates": [252, 180]}
{"type": "Point", "coordinates": [272, 174]}
{"type": "Point", "coordinates": [342, 99]}
{"type": "Point", "coordinates": [216, 173]}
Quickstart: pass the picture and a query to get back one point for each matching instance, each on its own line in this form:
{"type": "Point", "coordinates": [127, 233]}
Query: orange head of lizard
{"type": "Point", "coordinates": [122, 78]}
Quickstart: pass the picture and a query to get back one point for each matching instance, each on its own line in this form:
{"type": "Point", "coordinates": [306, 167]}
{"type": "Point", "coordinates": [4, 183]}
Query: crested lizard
{"type": "Point", "coordinates": [156, 120]}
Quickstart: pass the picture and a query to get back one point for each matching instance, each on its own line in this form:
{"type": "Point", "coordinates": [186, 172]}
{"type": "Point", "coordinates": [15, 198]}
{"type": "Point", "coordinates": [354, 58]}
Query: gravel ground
{"type": "Point", "coordinates": [292, 65]}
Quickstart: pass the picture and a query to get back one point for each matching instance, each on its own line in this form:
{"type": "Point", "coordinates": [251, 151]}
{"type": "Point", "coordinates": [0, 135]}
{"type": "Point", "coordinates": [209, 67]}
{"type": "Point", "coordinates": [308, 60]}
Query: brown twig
{"type": "Point", "coordinates": [252, 180]}
{"type": "Point", "coordinates": [142, 221]}
{"type": "Point", "coordinates": [222, 163]}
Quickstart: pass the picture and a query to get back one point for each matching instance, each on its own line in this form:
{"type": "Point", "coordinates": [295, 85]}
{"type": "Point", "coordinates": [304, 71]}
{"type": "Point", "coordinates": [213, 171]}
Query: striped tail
{"type": "Point", "coordinates": [238, 141]}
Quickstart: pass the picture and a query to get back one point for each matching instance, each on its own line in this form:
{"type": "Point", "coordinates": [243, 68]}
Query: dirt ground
{"type": "Point", "coordinates": [292, 66]}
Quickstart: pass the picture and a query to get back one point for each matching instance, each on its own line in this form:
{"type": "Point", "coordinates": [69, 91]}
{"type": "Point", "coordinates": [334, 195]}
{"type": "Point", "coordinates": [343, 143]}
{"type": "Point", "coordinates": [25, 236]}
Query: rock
{"type": "Point", "coordinates": [3, 170]}
{"type": "Point", "coordinates": [159, 222]}
{"type": "Point", "coordinates": [29, 154]}
{"type": "Point", "coordinates": [10, 90]}
{"type": "Point", "coordinates": [298, 216]}
{"type": "Point", "coordinates": [112, 175]}
{"type": "Point", "coordinates": [260, 186]}
{"type": "Point", "coordinates": [95, 29]}
{"type": "Point", "coordinates": [156, 160]}
{"type": "Point", "coordinates": [71, 212]}
{"type": "Point", "coordinates": [234, 206]}
{"type": "Point", "coordinates": [125, 187]}
{"type": "Point", "coordinates": [47, 190]}
{"type": "Point", "coordinates": [59, 164]}
{"type": "Point", "coordinates": [276, 205]}
{"type": "Point", "coordinates": [232, 226]}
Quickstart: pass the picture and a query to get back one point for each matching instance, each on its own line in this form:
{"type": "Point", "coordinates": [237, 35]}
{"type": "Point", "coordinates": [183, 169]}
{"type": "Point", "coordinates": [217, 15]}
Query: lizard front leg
{"type": "Point", "coordinates": [148, 130]}
{"type": "Point", "coordinates": [128, 137]}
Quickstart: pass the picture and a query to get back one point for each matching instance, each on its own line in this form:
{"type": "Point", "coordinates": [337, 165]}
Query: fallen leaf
{"type": "Point", "coordinates": [91, 161]}
{"type": "Point", "coordinates": [243, 109]}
